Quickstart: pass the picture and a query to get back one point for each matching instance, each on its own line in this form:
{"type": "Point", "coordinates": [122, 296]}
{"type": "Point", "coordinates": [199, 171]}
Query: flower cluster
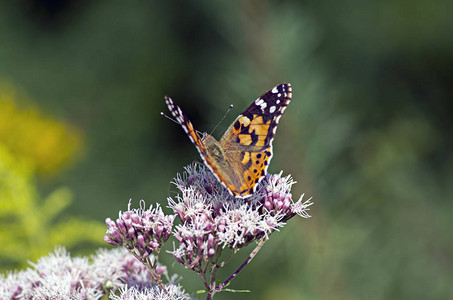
{"type": "Point", "coordinates": [58, 276]}
{"type": "Point", "coordinates": [278, 198]}
{"type": "Point", "coordinates": [212, 219]}
{"type": "Point", "coordinates": [144, 230]}
{"type": "Point", "coordinates": [175, 292]}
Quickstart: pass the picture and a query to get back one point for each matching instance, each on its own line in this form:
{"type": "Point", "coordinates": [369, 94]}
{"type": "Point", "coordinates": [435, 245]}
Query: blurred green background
{"type": "Point", "coordinates": [368, 133]}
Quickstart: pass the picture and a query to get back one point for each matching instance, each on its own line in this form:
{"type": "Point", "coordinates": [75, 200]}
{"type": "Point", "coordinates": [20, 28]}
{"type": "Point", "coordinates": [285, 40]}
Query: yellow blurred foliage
{"type": "Point", "coordinates": [44, 143]}
{"type": "Point", "coordinates": [29, 226]}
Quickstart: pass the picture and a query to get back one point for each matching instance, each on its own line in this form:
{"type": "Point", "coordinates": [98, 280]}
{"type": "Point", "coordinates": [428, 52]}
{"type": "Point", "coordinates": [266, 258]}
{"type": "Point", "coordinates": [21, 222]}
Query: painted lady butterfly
{"type": "Point", "coordinates": [241, 157]}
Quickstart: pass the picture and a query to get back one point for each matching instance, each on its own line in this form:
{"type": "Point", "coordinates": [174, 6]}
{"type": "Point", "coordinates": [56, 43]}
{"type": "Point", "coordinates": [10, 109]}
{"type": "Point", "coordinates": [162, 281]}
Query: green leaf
{"type": "Point", "coordinates": [235, 291]}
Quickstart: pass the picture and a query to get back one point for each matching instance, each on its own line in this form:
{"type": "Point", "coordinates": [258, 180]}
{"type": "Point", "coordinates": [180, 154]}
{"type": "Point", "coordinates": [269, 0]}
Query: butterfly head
{"type": "Point", "coordinates": [213, 148]}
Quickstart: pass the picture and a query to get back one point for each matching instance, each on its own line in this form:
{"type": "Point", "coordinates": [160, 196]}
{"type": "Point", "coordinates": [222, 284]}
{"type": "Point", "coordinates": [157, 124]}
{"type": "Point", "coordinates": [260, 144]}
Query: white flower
{"type": "Point", "coordinates": [175, 292]}
{"type": "Point", "coordinates": [58, 276]}
{"type": "Point", "coordinates": [301, 208]}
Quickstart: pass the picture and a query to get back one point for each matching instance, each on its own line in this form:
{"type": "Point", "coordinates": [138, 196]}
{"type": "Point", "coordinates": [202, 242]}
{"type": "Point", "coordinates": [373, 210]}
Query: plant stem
{"type": "Point", "coordinates": [249, 259]}
{"type": "Point", "coordinates": [228, 258]}
{"type": "Point", "coordinates": [151, 269]}
{"type": "Point", "coordinates": [203, 278]}
{"type": "Point", "coordinates": [212, 276]}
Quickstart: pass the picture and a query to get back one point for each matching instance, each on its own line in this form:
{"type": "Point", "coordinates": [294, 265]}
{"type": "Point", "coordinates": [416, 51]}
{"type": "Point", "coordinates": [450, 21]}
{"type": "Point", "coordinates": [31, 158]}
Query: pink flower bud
{"type": "Point", "coordinates": [135, 219]}
{"type": "Point", "coordinates": [161, 270]}
{"type": "Point", "coordinates": [110, 241]}
{"type": "Point", "coordinates": [130, 233]}
{"type": "Point", "coordinates": [141, 241]}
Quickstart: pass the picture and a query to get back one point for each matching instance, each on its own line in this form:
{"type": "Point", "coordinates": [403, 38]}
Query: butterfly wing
{"type": "Point", "coordinates": [210, 150]}
{"type": "Point", "coordinates": [246, 146]}
{"type": "Point", "coordinates": [185, 123]}
{"type": "Point", "coordinates": [248, 141]}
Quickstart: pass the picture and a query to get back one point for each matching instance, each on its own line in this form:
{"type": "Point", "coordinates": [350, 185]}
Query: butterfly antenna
{"type": "Point", "coordinates": [171, 119]}
{"type": "Point", "coordinates": [229, 109]}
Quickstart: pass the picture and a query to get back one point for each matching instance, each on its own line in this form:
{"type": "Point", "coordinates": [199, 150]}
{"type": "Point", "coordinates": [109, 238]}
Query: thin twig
{"type": "Point", "coordinates": [235, 273]}
{"type": "Point", "coordinates": [233, 251]}
{"type": "Point", "coordinates": [153, 272]}
{"type": "Point", "coordinates": [202, 273]}
{"type": "Point", "coordinates": [212, 277]}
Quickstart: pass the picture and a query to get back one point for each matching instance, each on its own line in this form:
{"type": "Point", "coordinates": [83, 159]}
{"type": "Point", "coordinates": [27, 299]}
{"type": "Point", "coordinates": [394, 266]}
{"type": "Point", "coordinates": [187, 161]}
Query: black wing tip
{"type": "Point", "coordinates": [283, 88]}
{"type": "Point", "coordinates": [284, 84]}
{"type": "Point", "coordinates": [168, 100]}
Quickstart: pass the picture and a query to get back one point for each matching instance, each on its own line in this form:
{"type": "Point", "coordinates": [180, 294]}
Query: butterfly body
{"type": "Point", "coordinates": [241, 157]}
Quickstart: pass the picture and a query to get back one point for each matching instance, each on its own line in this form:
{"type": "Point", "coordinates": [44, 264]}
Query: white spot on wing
{"type": "Point", "coordinates": [261, 103]}
{"type": "Point", "coordinates": [272, 109]}
{"type": "Point", "coordinates": [274, 90]}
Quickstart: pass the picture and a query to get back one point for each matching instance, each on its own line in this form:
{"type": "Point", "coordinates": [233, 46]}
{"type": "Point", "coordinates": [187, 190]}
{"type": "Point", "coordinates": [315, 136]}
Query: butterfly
{"type": "Point", "coordinates": [240, 159]}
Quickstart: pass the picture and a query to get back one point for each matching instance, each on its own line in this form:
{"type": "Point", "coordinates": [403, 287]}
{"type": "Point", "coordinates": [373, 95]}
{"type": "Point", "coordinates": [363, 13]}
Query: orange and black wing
{"type": "Point", "coordinates": [248, 141]}
{"type": "Point", "coordinates": [205, 146]}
